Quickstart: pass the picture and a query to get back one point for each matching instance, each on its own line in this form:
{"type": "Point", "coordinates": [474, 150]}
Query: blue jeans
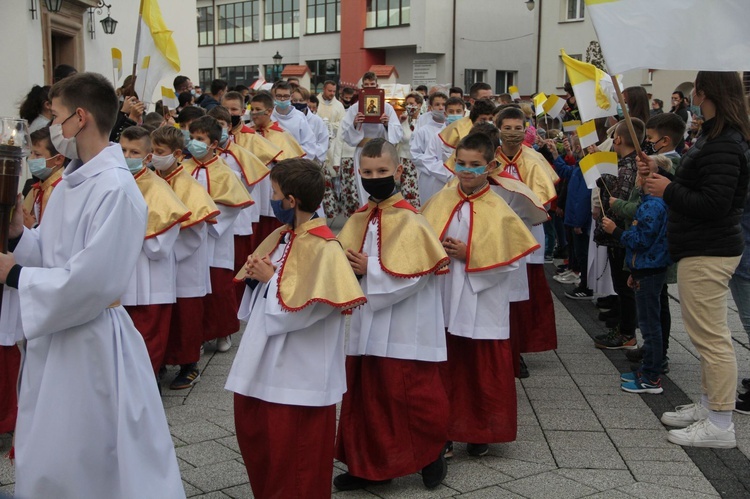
{"type": "Point", "coordinates": [740, 288]}
{"type": "Point", "coordinates": [648, 290]}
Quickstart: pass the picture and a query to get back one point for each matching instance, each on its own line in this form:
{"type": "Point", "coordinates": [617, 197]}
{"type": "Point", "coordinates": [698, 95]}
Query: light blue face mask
{"type": "Point", "coordinates": [451, 118]}
{"type": "Point", "coordinates": [282, 104]}
{"type": "Point", "coordinates": [186, 134]}
{"type": "Point", "coordinates": [134, 164]}
{"type": "Point", "coordinates": [224, 137]}
{"type": "Point", "coordinates": [38, 168]}
{"type": "Point", "coordinates": [476, 170]}
{"type": "Point", "coordinates": [197, 148]}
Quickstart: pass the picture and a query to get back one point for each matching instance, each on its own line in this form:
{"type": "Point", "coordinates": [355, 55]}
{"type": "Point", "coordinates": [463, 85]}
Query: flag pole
{"type": "Point", "coordinates": [137, 39]}
{"type": "Point", "coordinates": [626, 114]}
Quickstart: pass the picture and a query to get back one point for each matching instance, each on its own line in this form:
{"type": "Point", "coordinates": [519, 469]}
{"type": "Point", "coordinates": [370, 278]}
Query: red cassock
{"type": "Point", "coordinates": [10, 363]}
{"type": "Point", "coordinates": [482, 390]}
{"type": "Point", "coordinates": [532, 322]}
{"type": "Point", "coordinates": [152, 321]}
{"type": "Point", "coordinates": [220, 307]}
{"type": "Point", "coordinates": [394, 417]}
{"type": "Point", "coordinates": [185, 332]}
{"type": "Point", "coordinates": [275, 439]}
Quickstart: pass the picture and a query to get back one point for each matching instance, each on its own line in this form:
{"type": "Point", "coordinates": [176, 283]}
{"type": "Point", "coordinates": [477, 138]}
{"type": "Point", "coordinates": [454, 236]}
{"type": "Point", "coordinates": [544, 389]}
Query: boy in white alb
{"type": "Point", "coordinates": [151, 288]}
{"type": "Point", "coordinates": [484, 239]}
{"type": "Point", "coordinates": [288, 374]}
{"type": "Point", "coordinates": [191, 253]}
{"type": "Point", "coordinates": [394, 416]}
{"type": "Point", "coordinates": [291, 119]}
{"type": "Point", "coordinates": [300, 99]}
{"type": "Point", "coordinates": [112, 439]}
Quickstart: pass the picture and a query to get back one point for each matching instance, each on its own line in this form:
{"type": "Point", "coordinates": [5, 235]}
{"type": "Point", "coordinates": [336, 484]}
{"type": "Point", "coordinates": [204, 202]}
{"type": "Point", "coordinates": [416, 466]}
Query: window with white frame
{"type": "Point", "coordinates": [205, 26]}
{"type": "Point", "coordinates": [385, 13]}
{"type": "Point", "coordinates": [323, 16]}
{"type": "Point", "coordinates": [505, 80]}
{"type": "Point", "coordinates": [575, 10]}
{"type": "Point", "coordinates": [281, 19]}
{"type": "Point", "coordinates": [238, 22]}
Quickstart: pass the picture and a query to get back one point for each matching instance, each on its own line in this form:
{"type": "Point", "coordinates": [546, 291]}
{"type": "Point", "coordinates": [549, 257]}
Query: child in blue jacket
{"type": "Point", "coordinates": [647, 256]}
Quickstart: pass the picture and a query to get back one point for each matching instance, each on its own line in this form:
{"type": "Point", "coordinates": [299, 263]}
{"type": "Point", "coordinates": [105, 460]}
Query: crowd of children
{"type": "Point", "coordinates": [439, 267]}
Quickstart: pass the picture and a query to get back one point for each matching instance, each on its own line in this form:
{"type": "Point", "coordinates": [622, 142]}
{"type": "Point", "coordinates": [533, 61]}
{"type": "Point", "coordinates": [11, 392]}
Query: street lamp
{"type": "Point", "coordinates": [108, 24]}
{"type": "Point", "coordinates": [53, 5]}
{"type": "Point", "coordinates": [529, 4]}
{"type": "Point", "coordinates": [277, 65]}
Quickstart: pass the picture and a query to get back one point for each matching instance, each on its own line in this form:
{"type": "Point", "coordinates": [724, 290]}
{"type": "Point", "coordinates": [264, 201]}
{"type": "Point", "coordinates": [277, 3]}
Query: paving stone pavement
{"type": "Point", "coordinates": [579, 435]}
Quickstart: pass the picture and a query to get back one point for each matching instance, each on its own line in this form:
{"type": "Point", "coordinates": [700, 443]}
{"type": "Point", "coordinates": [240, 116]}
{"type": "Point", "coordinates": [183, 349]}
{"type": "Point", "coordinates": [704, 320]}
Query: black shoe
{"type": "Point", "coordinates": [345, 481]}
{"type": "Point", "coordinates": [606, 302]}
{"type": "Point", "coordinates": [435, 472]}
{"type": "Point", "coordinates": [635, 355]}
{"type": "Point", "coordinates": [477, 450]}
{"type": "Point", "coordinates": [188, 376]}
{"type": "Point", "coordinates": [746, 383]}
{"type": "Point", "coordinates": [745, 397]}
{"type": "Point", "coordinates": [615, 341]}
{"type": "Point", "coordinates": [742, 406]}
{"type": "Point", "coordinates": [448, 449]}
{"type": "Point", "coordinates": [603, 316]}
{"type": "Point", "coordinates": [580, 293]}
{"type": "Point", "coordinates": [524, 371]}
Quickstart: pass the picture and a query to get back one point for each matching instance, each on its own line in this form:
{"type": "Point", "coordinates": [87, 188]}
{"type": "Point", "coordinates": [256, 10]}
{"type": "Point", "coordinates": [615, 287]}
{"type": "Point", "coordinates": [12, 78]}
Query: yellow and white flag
{"type": "Point", "coordinates": [117, 64]}
{"type": "Point", "coordinates": [539, 103]}
{"type": "Point", "coordinates": [168, 98]}
{"type": "Point", "coordinates": [156, 51]}
{"type": "Point", "coordinates": [553, 106]}
{"type": "Point", "coordinates": [571, 126]}
{"type": "Point", "coordinates": [514, 94]}
{"type": "Point", "coordinates": [595, 165]}
{"type": "Point", "coordinates": [587, 134]}
{"type": "Point", "coordinates": [672, 34]}
{"type": "Point", "coordinates": [593, 88]}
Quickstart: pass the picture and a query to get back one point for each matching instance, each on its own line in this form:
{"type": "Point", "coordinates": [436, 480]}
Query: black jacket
{"type": "Point", "coordinates": [707, 197]}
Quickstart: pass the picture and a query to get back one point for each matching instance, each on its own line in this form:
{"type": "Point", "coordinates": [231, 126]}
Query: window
{"type": "Point", "coordinates": [205, 77]}
{"type": "Point", "coordinates": [323, 16]}
{"type": "Point", "coordinates": [565, 78]}
{"type": "Point", "coordinates": [238, 22]}
{"type": "Point", "coordinates": [238, 75]}
{"type": "Point", "coordinates": [575, 10]}
{"type": "Point", "coordinates": [504, 80]}
{"type": "Point", "coordinates": [273, 72]}
{"type": "Point", "coordinates": [282, 19]}
{"type": "Point", "coordinates": [472, 76]}
{"type": "Point", "coordinates": [322, 70]}
{"type": "Point", "coordinates": [205, 26]}
{"type": "Point", "coordinates": [384, 13]}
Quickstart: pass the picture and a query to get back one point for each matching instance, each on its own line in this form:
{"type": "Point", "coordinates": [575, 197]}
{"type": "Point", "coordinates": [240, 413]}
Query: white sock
{"type": "Point", "coordinates": [720, 419]}
{"type": "Point", "coordinates": [704, 400]}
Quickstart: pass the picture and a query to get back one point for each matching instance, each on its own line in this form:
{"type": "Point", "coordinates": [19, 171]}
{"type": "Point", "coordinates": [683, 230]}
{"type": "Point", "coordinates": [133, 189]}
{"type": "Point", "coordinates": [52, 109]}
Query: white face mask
{"type": "Point", "coordinates": [162, 163]}
{"type": "Point", "coordinates": [66, 146]}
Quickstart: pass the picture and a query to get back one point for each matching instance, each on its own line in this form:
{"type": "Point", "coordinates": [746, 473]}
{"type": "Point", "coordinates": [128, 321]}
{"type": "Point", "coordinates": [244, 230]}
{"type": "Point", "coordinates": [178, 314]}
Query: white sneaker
{"type": "Point", "coordinates": [224, 344]}
{"type": "Point", "coordinates": [684, 415]}
{"type": "Point", "coordinates": [704, 433]}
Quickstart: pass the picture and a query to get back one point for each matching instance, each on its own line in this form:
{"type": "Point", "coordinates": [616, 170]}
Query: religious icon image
{"type": "Point", "coordinates": [371, 104]}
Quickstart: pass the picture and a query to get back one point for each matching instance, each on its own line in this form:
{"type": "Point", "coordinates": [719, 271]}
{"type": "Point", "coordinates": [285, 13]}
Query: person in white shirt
{"type": "Point", "coordinates": [300, 97]}
{"type": "Point", "coordinates": [291, 120]}
{"type": "Point", "coordinates": [409, 125]}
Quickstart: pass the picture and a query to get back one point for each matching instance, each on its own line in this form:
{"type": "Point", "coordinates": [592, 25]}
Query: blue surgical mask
{"type": "Point", "coordinates": [134, 164]}
{"type": "Point", "coordinates": [197, 148]}
{"type": "Point", "coordinates": [285, 216]}
{"type": "Point", "coordinates": [451, 118]}
{"type": "Point", "coordinates": [186, 135]}
{"type": "Point", "coordinates": [476, 170]}
{"type": "Point", "coordinates": [38, 168]}
{"type": "Point", "coordinates": [224, 136]}
{"type": "Point", "coordinates": [282, 104]}
{"type": "Point", "coordinates": [300, 106]}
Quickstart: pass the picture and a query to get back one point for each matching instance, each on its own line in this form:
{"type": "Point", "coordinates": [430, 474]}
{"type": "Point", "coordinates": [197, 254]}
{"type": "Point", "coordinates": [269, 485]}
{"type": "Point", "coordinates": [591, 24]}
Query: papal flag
{"type": "Point", "coordinates": [587, 134]}
{"type": "Point", "coordinates": [595, 94]}
{"type": "Point", "coordinates": [156, 51]}
{"type": "Point", "coordinates": [514, 94]}
{"type": "Point", "coordinates": [672, 34]}
{"type": "Point", "coordinates": [597, 164]}
{"type": "Point", "coordinates": [168, 98]}
{"type": "Point", "coordinates": [117, 64]}
{"type": "Point", "coordinates": [571, 126]}
{"type": "Point", "coordinates": [538, 100]}
{"type": "Point", "coordinates": [553, 106]}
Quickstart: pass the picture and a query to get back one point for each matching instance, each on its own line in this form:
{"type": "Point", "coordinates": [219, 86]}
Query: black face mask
{"type": "Point", "coordinates": [236, 121]}
{"type": "Point", "coordinates": [379, 188]}
{"type": "Point", "coordinates": [300, 106]}
{"type": "Point", "coordinates": [346, 103]}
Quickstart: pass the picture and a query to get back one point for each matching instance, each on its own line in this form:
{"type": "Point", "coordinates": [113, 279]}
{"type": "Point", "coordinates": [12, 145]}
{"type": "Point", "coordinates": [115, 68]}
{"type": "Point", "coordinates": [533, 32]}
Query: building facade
{"type": "Point", "coordinates": [38, 40]}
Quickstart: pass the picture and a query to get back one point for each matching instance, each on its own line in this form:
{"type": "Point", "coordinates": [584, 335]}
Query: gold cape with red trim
{"type": "Point", "coordinates": [46, 188]}
{"type": "Point", "coordinates": [264, 150]}
{"type": "Point", "coordinates": [283, 140]}
{"type": "Point", "coordinates": [534, 171]}
{"type": "Point", "coordinates": [252, 168]}
{"type": "Point", "coordinates": [165, 210]}
{"type": "Point", "coordinates": [453, 133]}
{"type": "Point", "coordinates": [411, 246]}
{"type": "Point", "coordinates": [193, 195]}
{"type": "Point", "coordinates": [222, 184]}
{"type": "Point", "coordinates": [497, 236]}
{"type": "Point", "coordinates": [535, 212]}
{"type": "Point", "coordinates": [315, 268]}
